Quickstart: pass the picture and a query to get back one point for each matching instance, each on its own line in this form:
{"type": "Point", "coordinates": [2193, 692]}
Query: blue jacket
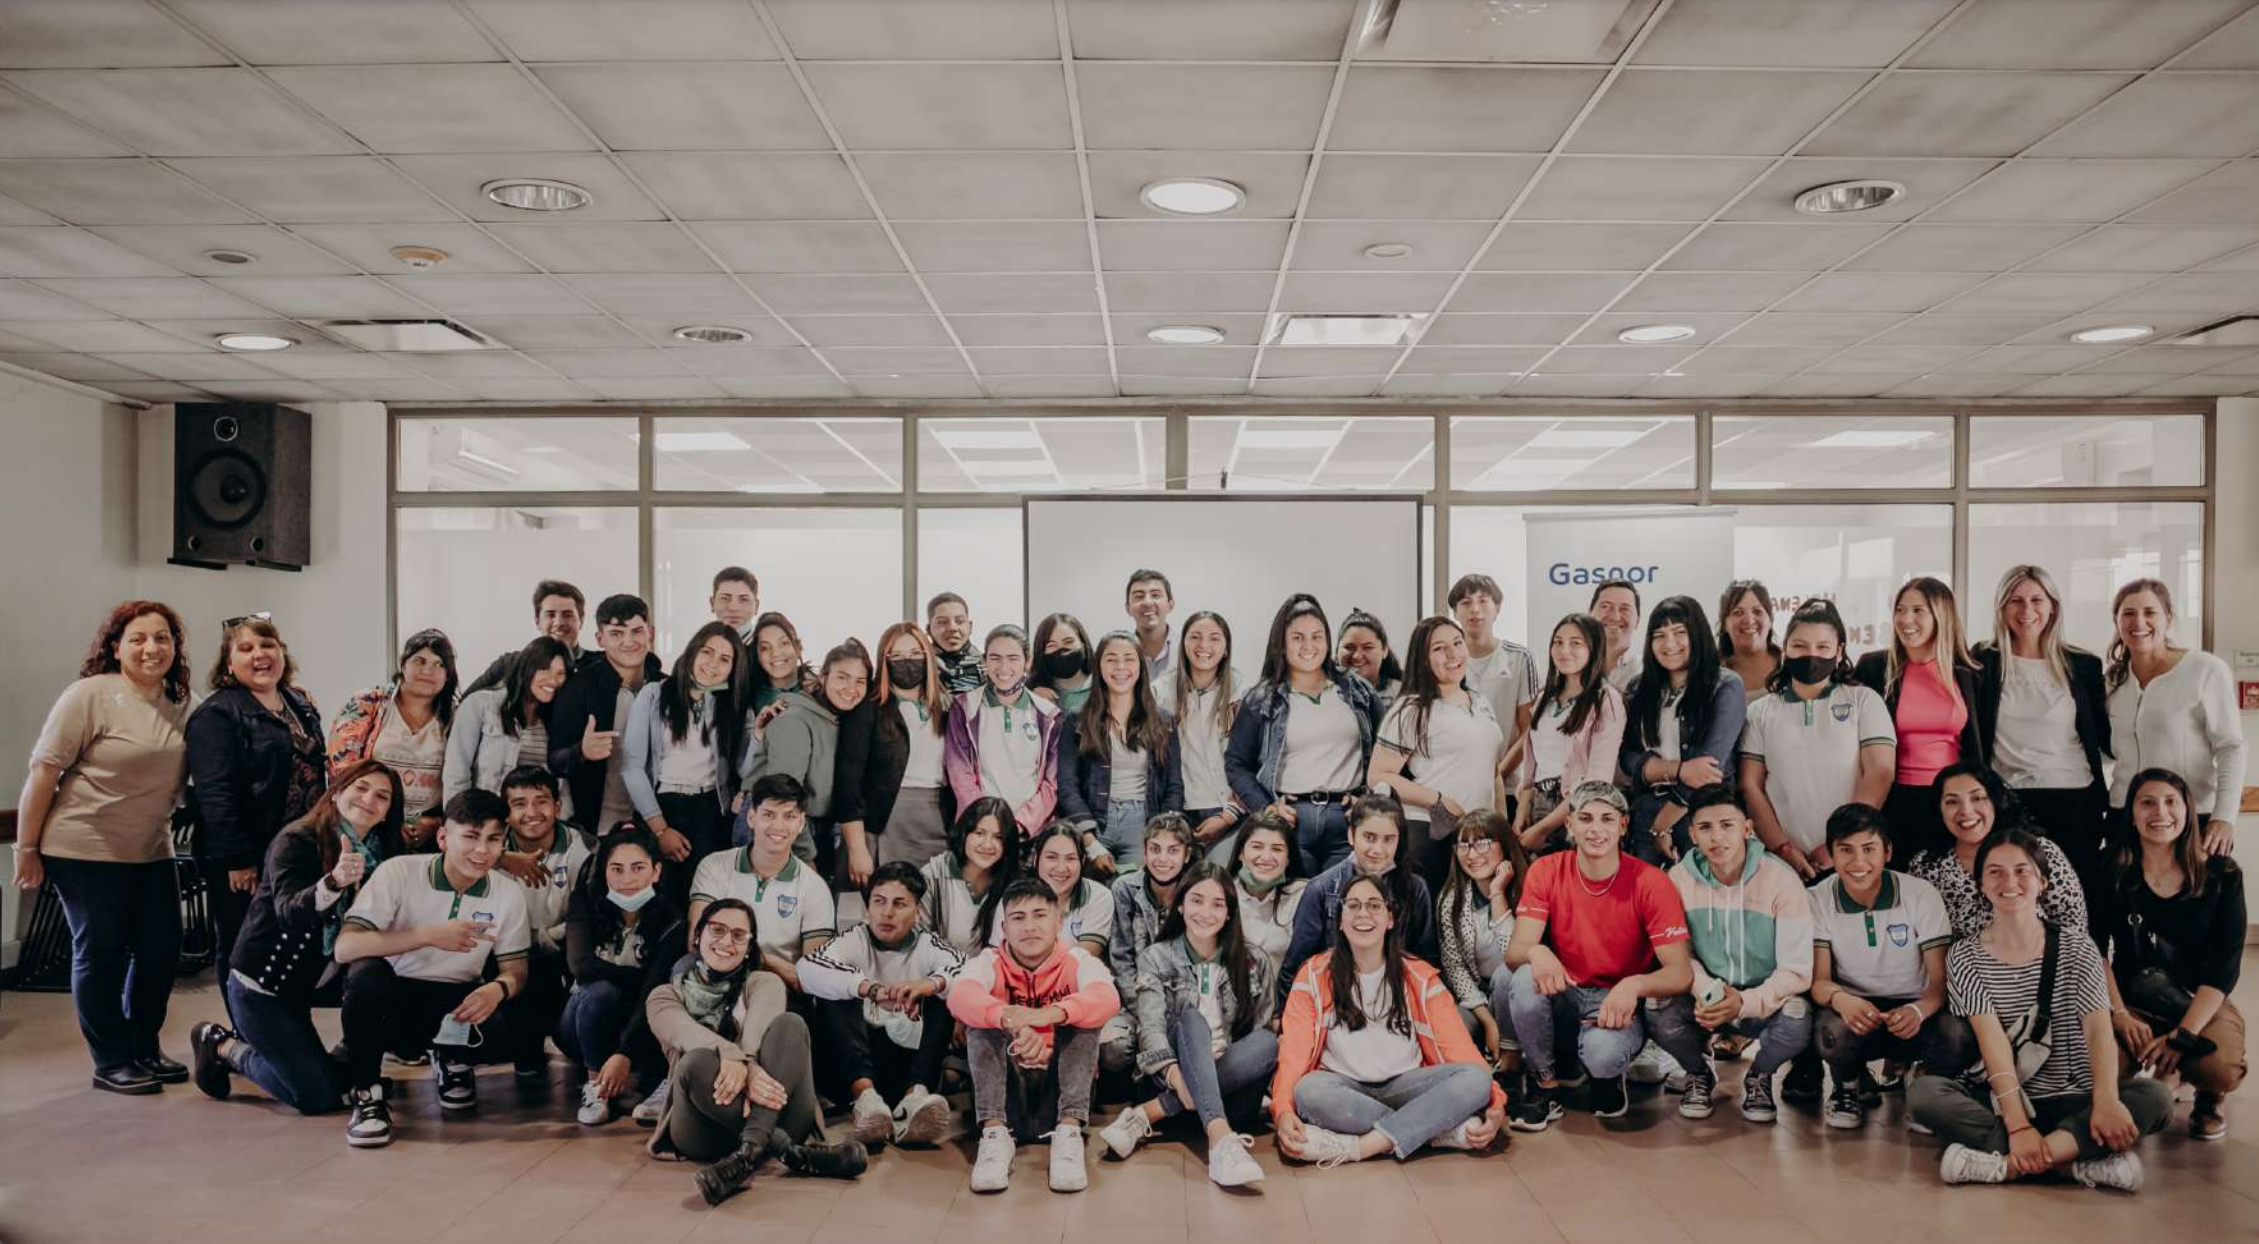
{"type": "Point", "coordinates": [1320, 913]}
{"type": "Point", "coordinates": [1721, 738]}
{"type": "Point", "coordinates": [1257, 751]}
{"type": "Point", "coordinates": [1086, 782]}
{"type": "Point", "coordinates": [644, 740]}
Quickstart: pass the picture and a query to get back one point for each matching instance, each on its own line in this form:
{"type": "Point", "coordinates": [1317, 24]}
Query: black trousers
{"type": "Point", "coordinates": [855, 1049]}
{"type": "Point", "coordinates": [1910, 813]}
{"type": "Point", "coordinates": [125, 950]}
{"type": "Point", "coordinates": [2078, 821]}
{"type": "Point", "coordinates": [541, 1007]}
{"type": "Point", "coordinates": [385, 1011]}
{"type": "Point", "coordinates": [229, 907]}
{"type": "Point", "coordinates": [698, 817]}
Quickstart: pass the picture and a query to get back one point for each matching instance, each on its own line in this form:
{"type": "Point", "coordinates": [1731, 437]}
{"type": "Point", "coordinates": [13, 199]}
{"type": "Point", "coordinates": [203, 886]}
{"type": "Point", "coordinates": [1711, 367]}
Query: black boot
{"type": "Point", "coordinates": [845, 1160]}
{"type": "Point", "coordinates": [721, 1181]}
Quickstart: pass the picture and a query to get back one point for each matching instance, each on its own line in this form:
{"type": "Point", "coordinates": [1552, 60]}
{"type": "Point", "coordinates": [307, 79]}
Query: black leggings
{"type": "Point", "coordinates": [2077, 821]}
{"type": "Point", "coordinates": [704, 1130]}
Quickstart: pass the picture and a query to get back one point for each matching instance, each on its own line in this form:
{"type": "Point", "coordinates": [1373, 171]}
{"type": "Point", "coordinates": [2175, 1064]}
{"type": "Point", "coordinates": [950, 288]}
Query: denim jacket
{"type": "Point", "coordinates": [1086, 783]}
{"type": "Point", "coordinates": [1256, 754]}
{"type": "Point", "coordinates": [1165, 986]}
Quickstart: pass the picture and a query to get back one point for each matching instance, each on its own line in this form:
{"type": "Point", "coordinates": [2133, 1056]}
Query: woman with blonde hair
{"type": "Point", "coordinates": [1929, 683]}
{"type": "Point", "coordinates": [2173, 708]}
{"type": "Point", "coordinates": [889, 782]}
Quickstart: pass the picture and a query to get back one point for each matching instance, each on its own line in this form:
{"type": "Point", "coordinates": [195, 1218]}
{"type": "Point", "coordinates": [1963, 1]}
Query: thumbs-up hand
{"type": "Point", "coordinates": [596, 744]}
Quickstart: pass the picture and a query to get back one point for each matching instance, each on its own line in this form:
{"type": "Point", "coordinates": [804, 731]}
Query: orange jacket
{"type": "Point", "coordinates": [1436, 1026]}
{"type": "Point", "coordinates": [1071, 979]}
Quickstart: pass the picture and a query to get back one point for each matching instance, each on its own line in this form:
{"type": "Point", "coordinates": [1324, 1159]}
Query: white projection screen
{"type": "Point", "coordinates": [1238, 556]}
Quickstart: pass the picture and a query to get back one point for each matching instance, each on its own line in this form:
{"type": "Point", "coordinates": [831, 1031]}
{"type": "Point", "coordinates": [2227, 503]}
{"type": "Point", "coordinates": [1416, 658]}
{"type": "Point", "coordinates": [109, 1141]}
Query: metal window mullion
{"type": "Point", "coordinates": [645, 539]}
{"type": "Point", "coordinates": [391, 536]}
{"type": "Point", "coordinates": [1439, 494]}
{"type": "Point", "coordinates": [1961, 508]}
{"type": "Point", "coordinates": [1176, 456]}
{"type": "Point", "coordinates": [909, 516]}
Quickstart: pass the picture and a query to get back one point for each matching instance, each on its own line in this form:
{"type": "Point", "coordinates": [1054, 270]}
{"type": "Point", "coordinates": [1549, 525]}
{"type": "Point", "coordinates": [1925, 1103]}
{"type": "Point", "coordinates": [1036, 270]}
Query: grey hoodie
{"type": "Point", "coordinates": [802, 741]}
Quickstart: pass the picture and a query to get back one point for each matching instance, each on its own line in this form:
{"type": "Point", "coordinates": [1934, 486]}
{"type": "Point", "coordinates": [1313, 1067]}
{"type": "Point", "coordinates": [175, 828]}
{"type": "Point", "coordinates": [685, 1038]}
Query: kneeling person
{"type": "Point", "coordinates": [557, 852]}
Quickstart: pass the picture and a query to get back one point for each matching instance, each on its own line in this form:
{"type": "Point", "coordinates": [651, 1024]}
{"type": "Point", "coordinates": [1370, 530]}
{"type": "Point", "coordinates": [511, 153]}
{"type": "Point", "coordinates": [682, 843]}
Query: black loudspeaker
{"type": "Point", "coordinates": [242, 477]}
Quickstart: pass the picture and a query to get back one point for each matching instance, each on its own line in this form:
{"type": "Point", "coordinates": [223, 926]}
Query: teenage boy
{"type": "Point", "coordinates": [1596, 933]}
{"type": "Point", "coordinates": [557, 610]}
{"type": "Point", "coordinates": [1143, 898]}
{"type": "Point", "coordinates": [792, 906]}
{"type": "Point", "coordinates": [882, 1034]}
{"type": "Point", "coordinates": [736, 601]}
{"type": "Point", "coordinates": [949, 624]}
{"type": "Point", "coordinates": [1032, 1008]}
{"type": "Point", "coordinates": [1751, 925]}
{"type": "Point", "coordinates": [1878, 966]}
{"type": "Point", "coordinates": [1498, 669]}
{"type": "Point", "coordinates": [420, 939]}
{"type": "Point", "coordinates": [1616, 604]}
{"type": "Point", "coordinates": [556, 852]}
{"type": "Point", "coordinates": [1149, 601]}
{"type": "Point", "coordinates": [592, 707]}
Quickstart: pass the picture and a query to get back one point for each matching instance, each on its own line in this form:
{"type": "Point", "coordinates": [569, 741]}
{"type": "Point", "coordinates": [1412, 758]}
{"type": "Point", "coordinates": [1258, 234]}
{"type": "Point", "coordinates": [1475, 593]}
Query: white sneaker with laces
{"type": "Point", "coordinates": [922, 1118]}
{"type": "Point", "coordinates": [1326, 1149]}
{"type": "Point", "coordinates": [651, 1109]}
{"type": "Point", "coordinates": [1963, 1165]}
{"type": "Point", "coordinates": [873, 1118]}
{"type": "Point", "coordinates": [992, 1162]}
{"type": "Point", "coordinates": [1456, 1138]}
{"type": "Point", "coordinates": [595, 1108]}
{"type": "Point", "coordinates": [1230, 1165]}
{"type": "Point", "coordinates": [2112, 1170]}
{"type": "Point", "coordinates": [1652, 1066]}
{"type": "Point", "coordinates": [1128, 1128]}
{"type": "Point", "coordinates": [1068, 1174]}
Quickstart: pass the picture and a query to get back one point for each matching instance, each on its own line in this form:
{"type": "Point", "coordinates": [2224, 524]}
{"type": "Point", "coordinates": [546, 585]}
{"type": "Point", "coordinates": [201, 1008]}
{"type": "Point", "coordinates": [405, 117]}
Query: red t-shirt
{"type": "Point", "coordinates": [1603, 938]}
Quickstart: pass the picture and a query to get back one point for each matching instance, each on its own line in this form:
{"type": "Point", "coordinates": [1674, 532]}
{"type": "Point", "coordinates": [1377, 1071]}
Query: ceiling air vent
{"type": "Point", "coordinates": [1344, 330]}
{"type": "Point", "coordinates": [408, 336]}
{"type": "Point", "coordinates": [1560, 32]}
{"type": "Point", "coordinates": [2241, 330]}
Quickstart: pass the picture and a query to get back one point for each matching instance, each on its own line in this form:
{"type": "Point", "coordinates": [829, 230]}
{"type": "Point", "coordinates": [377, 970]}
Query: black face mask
{"type": "Point", "coordinates": [1064, 664]}
{"type": "Point", "coordinates": [906, 673]}
{"type": "Point", "coordinates": [1809, 670]}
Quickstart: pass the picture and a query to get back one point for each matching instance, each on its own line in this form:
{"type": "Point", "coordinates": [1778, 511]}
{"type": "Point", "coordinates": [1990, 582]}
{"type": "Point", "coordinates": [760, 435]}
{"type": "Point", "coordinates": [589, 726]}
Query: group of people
{"type": "Point", "coordinates": [1378, 901]}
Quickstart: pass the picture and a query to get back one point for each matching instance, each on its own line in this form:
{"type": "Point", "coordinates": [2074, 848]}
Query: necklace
{"type": "Point", "coordinates": [1606, 886]}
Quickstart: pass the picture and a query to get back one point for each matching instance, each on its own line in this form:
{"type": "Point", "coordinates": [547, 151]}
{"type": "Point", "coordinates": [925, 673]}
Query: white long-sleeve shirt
{"type": "Point", "coordinates": [837, 969]}
{"type": "Point", "coordinates": [2188, 720]}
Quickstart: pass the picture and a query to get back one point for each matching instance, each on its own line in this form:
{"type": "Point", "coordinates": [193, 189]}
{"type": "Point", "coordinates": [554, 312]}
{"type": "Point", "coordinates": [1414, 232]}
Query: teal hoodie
{"type": "Point", "coordinates": [1755, 934]}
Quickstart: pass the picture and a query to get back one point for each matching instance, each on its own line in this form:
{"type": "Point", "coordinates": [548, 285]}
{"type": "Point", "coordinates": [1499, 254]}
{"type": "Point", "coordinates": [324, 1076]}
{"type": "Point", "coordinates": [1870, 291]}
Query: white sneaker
{"type": "Point", "coordinates": [874, 1120]}
{"type": "Point", "coordinates": [595, 1108]}
{"type": "Point", "coordinates": [1128, 1128]}
{"type": "Point", "coordinates": [1456, 1138]}
{"type": "Point", "coordinates": [2112, 1170]}
{"type": "Point", "coordinates": [1963, 1165]}
{"type": "Point", "coordinates": [651, 1109]}
{"type": "Point", "coordinates": [1326, 1149]}
{"type": "Point", "coordinates": [992, 1162]}
{"type": "Point", "coordinates": [1652, 1065]}
{"type": "Point", "coordinates": [1230, 1165]}
{"type": "Point", "coordinates": [1068, 1174]}
{"type": "Point", "coordinates": [922, 1118]}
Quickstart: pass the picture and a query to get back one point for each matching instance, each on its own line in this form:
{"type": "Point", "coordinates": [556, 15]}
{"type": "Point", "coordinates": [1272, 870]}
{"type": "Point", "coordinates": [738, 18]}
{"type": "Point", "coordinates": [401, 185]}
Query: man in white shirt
{"type": "Point", "coordinates": [1498, 669]}
{"type": "Point", "coordinates": [1149, 601]}
{"type": "Point", "coordinates": [1616, 604]}
{"type": "Point", "coordinates": [557, 852]}
{"type": "Point", "coordinates": [793, 914]}
{"type": "Point", "coordinates": [879, 1019]}
{"type": "Point", "coordinates": [421, 938]}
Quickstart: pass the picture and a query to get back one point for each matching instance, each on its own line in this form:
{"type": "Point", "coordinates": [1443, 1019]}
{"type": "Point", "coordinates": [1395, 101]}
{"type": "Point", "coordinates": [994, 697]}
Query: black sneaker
{"type": "Point", "coordinates": [1870, 1092]}
{"type": "Point", "coordinates": [1535, 1110]}
{"type": "Point", "coordinates": [1757, 1099]}
{"type": "Point", "coordinates": [162, 1069]}
{"type": "Point", "coordinates": [458, 1083]}
{"type": "Point", "coordinates": [845, 1160]}
{"type": "Point", "coordinates": [1694, 1103]}
{"type": "Point", "coordinates": [1845, 1110]}
{"type": "Point", "coordinates": [1610, 1098]}
{"type": "Point", "coordinates": [212, 1073]}
{"type": "Point", "coordinates": [371, 1124]}
{"type": "Point", "coordinates": [1802, 1087]}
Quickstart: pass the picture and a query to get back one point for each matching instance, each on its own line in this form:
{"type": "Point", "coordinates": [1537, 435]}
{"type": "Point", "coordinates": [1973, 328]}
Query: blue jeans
{"type": "Point", "coordinates": [1220, 853]}
{"type": "Point", "coordinates": [281, 1052]}
{"type": "Point", "coordinates": [1321, 836]}
{"type": "Point", "coordinates": [1541, 1023]}
{"type": "Point", "coordinates": [1123, 833]}
{"type": "Point", "coordinates": [1411, 1109]}
{"type": "Point", "coordinates": [125, 950]}
{"type": "Point", "coordinates": [1223, 1085]}
{"type": "Point", "coordinates": [1780, 1036]}
{"type": "Point", "coordinates": [1498, 983]}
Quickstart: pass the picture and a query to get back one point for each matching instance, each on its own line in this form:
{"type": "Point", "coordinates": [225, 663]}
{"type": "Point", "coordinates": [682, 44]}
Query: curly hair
{"type": "Point", "coordinates": [102, 654]}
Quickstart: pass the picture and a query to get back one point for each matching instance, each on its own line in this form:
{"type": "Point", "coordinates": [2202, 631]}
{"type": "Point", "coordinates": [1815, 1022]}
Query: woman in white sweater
{"type": "Point", "coordinates": [2173, 708]}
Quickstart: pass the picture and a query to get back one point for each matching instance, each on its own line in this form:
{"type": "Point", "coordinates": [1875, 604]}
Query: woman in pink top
{"type": "Point", "coordinates": [1929, 682]}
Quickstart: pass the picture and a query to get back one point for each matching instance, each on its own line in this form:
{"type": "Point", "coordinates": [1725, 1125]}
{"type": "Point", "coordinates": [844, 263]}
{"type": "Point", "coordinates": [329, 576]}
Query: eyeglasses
{"type": "Point", "coordinates": [261, 616]}
{"type": "Point", "coordinates": [1364, 907]}
{"type": "Point", "coordinates": [1477, 844]}
{"type": "Point", "coordinates": [723, 935]}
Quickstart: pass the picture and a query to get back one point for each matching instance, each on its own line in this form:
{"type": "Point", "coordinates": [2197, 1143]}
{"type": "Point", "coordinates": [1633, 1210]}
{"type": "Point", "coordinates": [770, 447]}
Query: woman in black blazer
{"type": "Point", "coordinates": [2045, 720]}
{"type": "Point", "coordinates": [1937, 723]}
{"type": "Point", "coordinates": [888, 782]}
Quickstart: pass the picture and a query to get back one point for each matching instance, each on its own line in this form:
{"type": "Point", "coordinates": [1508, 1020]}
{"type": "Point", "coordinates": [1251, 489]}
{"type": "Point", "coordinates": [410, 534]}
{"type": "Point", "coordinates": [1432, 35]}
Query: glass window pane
{"type": "Point", "coordinates": [516, 454]}
{"type": "Point", "coordinates": [448, 577]}
{"type": "Point", "coordinates": [1831, 451]}
{"type": "Point", "coordinates": [1272, 454]}
{"type": "Point", "coordinates": [778, 455]}
{"type": "Point", "coordinates": [977, 554]}
{"type": "Point", "coordinates": [2085, 451]}
{"type": "Point", "coordinates": [2090, 548]}
{"type": "Point", "coordinates": [834, 572]}
{"type": "Point", "coordinates": [1528, 454]}
{"type": "Point", "coordinates": [1039, 455]}
{"type": "Point", "coordinates": [1859, 555]}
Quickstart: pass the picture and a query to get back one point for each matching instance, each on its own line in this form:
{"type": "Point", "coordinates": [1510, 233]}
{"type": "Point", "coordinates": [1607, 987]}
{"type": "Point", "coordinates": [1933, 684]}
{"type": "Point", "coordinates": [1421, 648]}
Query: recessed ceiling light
{"type": "Point", "coordinates": [1651, 334]}
{"type": "Point", "coordinates": [1192, 196]}
{"type": "Point", "coordinates": [713, 334]}
{"type": "Point", "coordinates": [254, 341]}
{"type": "Point", "coordinates": [1849, 196]}
{"type": "Point", "coordinates": [1387, 250]}
{"type": "Point", "coordinates": [536, 194]}
{"type": "Point", "coordinates": [1185, 334]}
{"type": "Point", "coordinates": [2112, 332]}
{"type": "Point", "coordinates": [232, 258]}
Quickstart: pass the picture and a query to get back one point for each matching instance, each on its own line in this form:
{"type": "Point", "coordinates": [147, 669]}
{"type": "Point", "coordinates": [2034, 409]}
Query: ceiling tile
{"type": "Point", "coordinates": [339, 365]}
{"type": "Point", "coordinates": [183, 247]}
{"type": "Point", "coordinates": [655, 388]}
{"type": "Point", "coordinates": [1212, 361]}
{"type": "Point", "coordinates": [1585, 188]}
{"type": "Point", "coordinates": [1457, 107]}
{"type": "Point", "coordinates": [2224, 293]}
{"type": "Point", "coordinates": [1003, 185]}
{"type": "Point", "coordinates": [2178, 360]}
{"type": "Point", "coordinates": [1183, 386]}
{"type": "Point", "coordinates": [872, 330]}
{"type": "Point", "coordinates": [186, 112]}
{"type": "Point", "coordinates": [1706, 291]}
{"type": "Point", "coordinates": [820, 385]}
{"type": "Point", "coordinates": [606, 247]}
{"type": "Point", "coordinates": [1316, 386]}
{"type": "Point", "coordinates": [944, 107]}
{"type": "Point", "coordinates": [748, 361]}
{"type": "Point", "coordinates": [2088, 385]}
{"type": "Point", "coordinates": [114, 192]}
{"type": "Point", "coordinates": [1461, 329]}
{"type": "Point", "coordinates": [84, 368]}
{"type": "Point", "coordinates": [1878, 291]}
{"type": "Point", "coordinates": [1539, 291]}
{"type": "Point", "coordinates": [476, 366]}
{"type": "Point", "coordinates": [156, 298]}
{"type": "Point", "coordinates": [322, 32]}
{"type": "Point", "coordinates": [1272, 181]}
{"type": "Point", "coordinates": [50, 250]}
{"type": "Point", "coordinates": [1340, 247]}
{"type": "Point", "coordinates": [1203, 107]}
{"type": "Point", "coordinates": [1603, 329]}
{"type": "Point", "coordinates": [689, 107]}
{"type": "Point", "coordinates": [1050, 386]}
{"type": "Point", "coordinates": [1780, 328]}
{"type": "Point", "coordinates": [1895, 360]}
{"type": "Point", "coordinates": [2228, 196]}
{"type": "Point", "coordinates": [2234, 46]}
{"type": "Point", "coordinates": [2033, 360]}
{"type": "Point", "coordinates": [994, 246]}
{"type": "Point", "coordinates": [1031, 361]}
{"type": "Point", "coordinates": [317, 297]}
{"type": "Point", "coordinates": [101, 336]}
{"type": "Point", "coordinates": [590, 364]}
{"type": "Point", "coordinates": [2134, 248]}
{"type": "Point", "coordinates": [1296, 361]}
{"type": "Point", "coordinates": [29, 129]}
{"type": "Point", "coordinates": [1927, 184]}
{"type": "Point", "coordinates": [206, 332]}
{"type": "Point", "coordinates": [14, 213]}
{"type": "Point", "coordinates": [819, 30]}
{"type": "Point", "coordinates": [1832, 386]}
{"type": "Point", "coordinates": [1471, 360]}
{"type": "Point", "coordinates": [915, 386]}
{"type": "Point", "coordinates": [295, 190]}
{"type": "Point", "coordinates": [435, 108]}
{"type": "Point", "coordinates": [200, 366]}
{"type": "Point", "coordinates": [557, 329]}
{"type": "Point", "coordinates": [2095, 190]}
{"type": "Point", "coordinates": [458, 178]}
{"type": "Point", "coordinates": [2241, 261]}
{"type": "Point", "coordinates": [1573, 248]}
{"type": "Point", "coordinates": [1353, 186]}
{"type": "Point", "coordinates": [1679, 385]}
{"type": "Point", "coordinates": [1576, 386]}
{"type": "Point", "coordinates": [1943, 113]}
{"type": "Point", "coordinates": [1790, 33]}
{"type": "Point", "coordinates": [1961, 248]}
{"type": "Point", "coordinates": [2169, 114]}
{"type": "Point", "coordinates": [2217, 384]}
{"type": "Point", "coordinates": [1359, 293]}
{"type": "Point", "coordinates": [73, 33]}
{"type": "Point", "coordinates": [627, 29]}
{"type": "Point", "coordinates": [1413, 384]}
{"type": "Point", "coordinates": [1711, 111]}
{"type": "Point", "coordinates": [2088, 34]}
{"type": "Point", "coordinates": [272, 391]}
{"type": "Point", "coordinates": [397, 389]}
{"type": "Point", "coordinates": [1030, 330]}
{"type": "Point", "coordinates": [156, 391]}
{"type": "Point", "coordinates": [1192, 245]}
{"type": "Point", "coordinates": [1733, 360]}
{"type": "Point", "coordinates": [469, 248]}
{"type": "Point", "coordinates": [472, 295]}
{"type": "Point", "coordinates": [797, 246]}
{"type": "Point", "coordinates": [2037, 292]}
{"type": "Point", "coordinates": [1189, 292]}
{"type": "Point", "coordinates": [22, 300]}
{"type": "Point", "coordinates": [1130, 328]}
{"type": "Point", "coordinates": [799, 294]}
{"type": "Point", "coordinates": [1943, 330]}
{"type": "Point", "coordinates": [1954, 384]}
{"type": "Point", "coordinates": [1614, 360]}
{"type": "Point", "coordinates": [1731, 247]}
{"type": "Point", "coordinates": [747, 186]}
{"type": "Point", "coordinates": [1202, 30]}
{"type": "Point", "coordinates": [1074, 293]}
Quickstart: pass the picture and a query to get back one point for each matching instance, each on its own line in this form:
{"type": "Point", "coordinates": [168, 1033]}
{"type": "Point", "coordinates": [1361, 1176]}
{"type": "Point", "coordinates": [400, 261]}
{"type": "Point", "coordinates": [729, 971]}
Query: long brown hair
{"type": "Point", "coordinates": [1486, 823]}
{"type": "Point", "coordinates": [2120, 656]}
{"type": "Point", "coordinates": [1592, 683]}
{"type": "Point", "coordinates": [221, 677]}
{"type": "Point", "coordinates": [324, 818]}
{"type": "Point", "coordinates": [1421, 686]}
{"type": "Point", "coordinates": [1948, 651]}
{"type": "Point", "coordinates": [1227, 689]}
{"type": "Point", "coordinates": [1341, 966]}
{"type": "Point", "coordinates": [1146, 730]}
{"type": "Point", "coordinates": [936, 703]}
{"type": "Point", "coordinates": [1231, 943]}
{"type": "Point", "coordinates": [102, 654]}
{"type": "Point", "coordinates": [2188, 849]}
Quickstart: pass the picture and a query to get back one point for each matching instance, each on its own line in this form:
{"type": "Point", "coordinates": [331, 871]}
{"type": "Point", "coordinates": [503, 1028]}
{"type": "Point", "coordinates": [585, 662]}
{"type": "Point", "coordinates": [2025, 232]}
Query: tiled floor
{"type": "Point", "coordinates": [80, 1165]}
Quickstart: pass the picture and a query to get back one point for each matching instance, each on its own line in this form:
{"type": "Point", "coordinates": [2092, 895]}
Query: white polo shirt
{"type": "Point", "coordinates": [1810, 749]}
{"type": "Point", "coordinates": [411, 890]}
{"type": "Point", "coordinates": [787, 908]}
{"type": "Point", "coordinates": [1011, 746]}
{"type": "Point", "coordinates": [1461, 756]}
{"type": "Point", "coordinates": [1877, 951]}
{"type": "Point", "coordinates": [546, 903]}
{"type": "Point", "coordinates": [1508, 679]}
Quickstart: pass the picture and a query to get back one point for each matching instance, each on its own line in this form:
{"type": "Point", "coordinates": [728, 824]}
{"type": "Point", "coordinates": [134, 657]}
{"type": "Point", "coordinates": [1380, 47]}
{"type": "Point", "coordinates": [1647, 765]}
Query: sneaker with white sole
{"type": "Point", "coordinates": [1845, 1111]}
{"type": "Point", "coordinates": [1963, 1165]}
{"type": "Point", "coordinates": [1325, 1149]}
{"type": "Point", "coordinates": [2121, 1171]}
{"type": "Point", "coordinates": [1652, 1066]}
{"type": "Point", "coordinates": [1230, 1165]}
{"type": "Point", "coordinates": [1757, 1104]}
{"type": "Point", "coordinates": [1695, 1101]}
{"type": "Point", "coordinates": [370, 1127]}
{"type": "Point", "coordinates": [458, 1084]}
{"type": "Point", "coordinates": [1068, 1174]}
{"type": "Point", "coordinates": [992, 1162]}
{"type": "Point", "coordinates": [1456, 1138]}
{"type": "Point", "coordinates": [873, 1118]}
{"type": "Point", "coordinates": [595, 1108]}
{"type": "Point", "coordinates": [922, 1118]}
{"type": "Point", "coordinates": [651, 1109]}
{"type": "Point", "coordinates": [1535, 1110]}
{"type": "Point", "coordinates": [1128, 1128]}
{"type": "Point", "coordinates": [1611, 1099]}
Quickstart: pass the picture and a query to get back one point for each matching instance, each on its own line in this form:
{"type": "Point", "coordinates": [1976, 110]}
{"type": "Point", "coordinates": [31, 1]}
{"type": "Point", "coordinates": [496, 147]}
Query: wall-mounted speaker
{"type": "Point", "coordinates": [242, 482]}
